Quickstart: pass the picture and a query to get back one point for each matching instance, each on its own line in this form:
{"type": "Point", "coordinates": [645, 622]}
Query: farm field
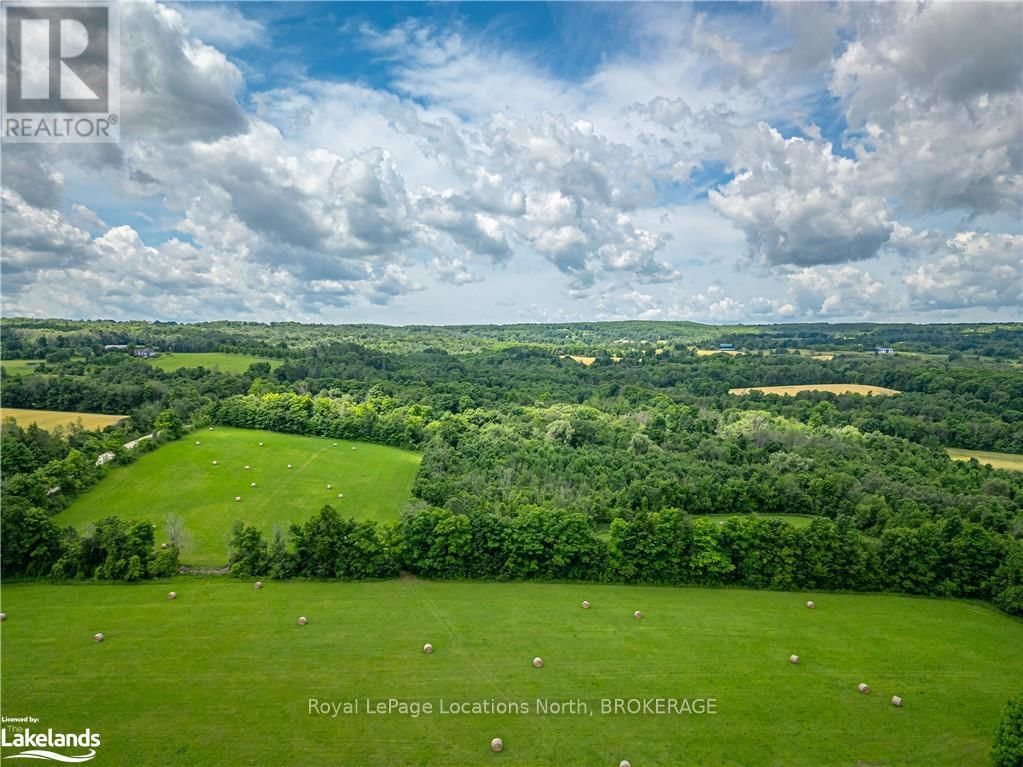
{"type": "Point", "coordinates": [180, 478]}
{"type": "Point", "coordinates": [20, 367]}
{"type": "Point", "coordinates": [224, 675]}
{"type": "Point", "coordinates": [832, 388]}
{"type": "Point", "coordinates": [1010, 461]}
{"type": "Point", "coordinates": [50, 419]}
{"type": "Point", "coordinates": [225, 363]}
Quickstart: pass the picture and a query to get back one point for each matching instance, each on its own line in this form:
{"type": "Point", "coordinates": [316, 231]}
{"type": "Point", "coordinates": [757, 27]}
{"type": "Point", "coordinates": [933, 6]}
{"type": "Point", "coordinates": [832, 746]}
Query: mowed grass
{"type": "Point", "coordinates": [224, 675]}
{"type": "Point", "coordinates": [20, 367]}
{"type": "Point", "coordinates": [225, 363]}
{"type": "Point", "coordinates": [50, 419]}
{"type": "Point", "coordinates": [789, 391]}
{"type": "Point", "coordinates": [180, 478]}
{"type": "Point", "coordinates": [1010, 461]}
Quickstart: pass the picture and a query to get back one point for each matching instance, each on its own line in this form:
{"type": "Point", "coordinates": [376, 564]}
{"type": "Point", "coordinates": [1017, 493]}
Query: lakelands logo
{"type": "Point", "coordinates": [38, 744]}
{"type": "Point", "coordinates": [61, 74]}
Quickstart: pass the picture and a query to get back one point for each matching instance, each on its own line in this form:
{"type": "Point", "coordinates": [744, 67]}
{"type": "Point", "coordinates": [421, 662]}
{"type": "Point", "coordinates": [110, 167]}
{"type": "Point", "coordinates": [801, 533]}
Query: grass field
{"type": "Point", "coordinates": [1010, 461]}
{"type": "Point", "coordinates": [224, 675]}
{"type": "Point", "coordinates": [20, 367]}
{"type": "Point", "coordinates": [50, 419]}
{"type": "Point", "coordinates": [180, 479]}
{"type": "Point", "coordinates": [832, 388]}
{"type": "Point", "coordinates": [225, 363]}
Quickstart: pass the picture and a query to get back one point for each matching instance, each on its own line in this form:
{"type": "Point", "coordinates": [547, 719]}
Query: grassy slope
{"type": "Point", "coordinates": [225, 363]}
{"type": "Point", "coordinates": [49, 419]}
{"type": "Point", "coordinates": [796, 520]}
{"type": "Point", "coordinates": [180, 478]}
{"type": "Point", "coordinates": [20, 367]}
{"type": "Point", "coordinates": [1010, 461]}
{"type": "Point", "coordinates": [223, 675]}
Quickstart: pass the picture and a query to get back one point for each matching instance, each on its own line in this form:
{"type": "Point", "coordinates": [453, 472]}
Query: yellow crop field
{"type": "Point", "coordinates": [50, 419]}
{"type": "Point", "coordinates": [789, 391]}
{"type": "Point", "coordinates": [1010, 461]}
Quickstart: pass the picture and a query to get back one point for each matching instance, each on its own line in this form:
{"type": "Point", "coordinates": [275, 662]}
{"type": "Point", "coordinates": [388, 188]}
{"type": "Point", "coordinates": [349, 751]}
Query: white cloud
{"type": "Point", "coordinates": [973, 270]}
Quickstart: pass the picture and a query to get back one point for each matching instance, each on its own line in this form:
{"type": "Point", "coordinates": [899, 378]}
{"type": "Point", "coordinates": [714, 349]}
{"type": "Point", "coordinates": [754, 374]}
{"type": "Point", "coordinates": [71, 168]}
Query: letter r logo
{"type": "Point", "coordinates": [58, 58]}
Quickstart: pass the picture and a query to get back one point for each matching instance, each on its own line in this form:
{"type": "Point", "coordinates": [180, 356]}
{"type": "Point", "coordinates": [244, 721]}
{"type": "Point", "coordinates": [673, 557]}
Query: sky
{"type": "Point", "coordinates": [436, 163]}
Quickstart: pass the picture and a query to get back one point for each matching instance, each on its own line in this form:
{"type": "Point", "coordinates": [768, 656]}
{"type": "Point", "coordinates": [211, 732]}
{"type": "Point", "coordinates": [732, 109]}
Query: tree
{"type": "Point", "coordinates": [168, 423]}
{"type": "Point", "coordinates": [1007, 750]}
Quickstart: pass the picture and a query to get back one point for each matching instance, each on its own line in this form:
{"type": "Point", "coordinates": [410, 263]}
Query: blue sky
{"type": "Point", "coordinates": [507, 162]}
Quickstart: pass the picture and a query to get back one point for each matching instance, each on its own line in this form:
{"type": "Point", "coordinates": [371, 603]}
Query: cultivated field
{"type": "Point", "coordinates": [223, 675]}
{"type": "Point", "coordinates": [1011, 461]}
{"type": "Point", "coordinates": [20, 367]}
{"type": "Point", "coordinates": [225, 363]}
{"type": "Point", "coordinates": [789, 391]}
{"type": "Point", "coordinates": [180, 478]}
{"type": "Point", "coordinates": [50, 419]}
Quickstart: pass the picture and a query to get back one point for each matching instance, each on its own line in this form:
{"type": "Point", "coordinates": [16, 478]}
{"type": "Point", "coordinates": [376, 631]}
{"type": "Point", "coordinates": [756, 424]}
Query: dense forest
{"type": "Point", "coordinates": [639, 467]}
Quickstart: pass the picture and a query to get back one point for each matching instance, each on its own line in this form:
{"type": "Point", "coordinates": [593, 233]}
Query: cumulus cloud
{"type": "Point", "coordinates": [972, 270]}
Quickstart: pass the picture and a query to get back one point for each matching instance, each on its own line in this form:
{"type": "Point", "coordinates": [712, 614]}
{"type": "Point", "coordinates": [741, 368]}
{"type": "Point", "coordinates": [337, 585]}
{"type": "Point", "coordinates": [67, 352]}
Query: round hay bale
{"type": "Point", "coordinates": [172, 595]}
{"type": "Point", "coordinates": [811, 605]}
{"type": "Point", "coordinates": [197, 442]}
{"type": "Point", "coordinates": [3, 617]}
{"type": "Point", "coordinates": [330, 487]}
{"type": "Point", "coordinates": [496, 744]}
{"type": "Point", "coordinates": [637, 615]}
{"type": "Point", "coordinates": [247, 467]}
{"type": "Point", "coordinates": [794, 659]}
{"type": "Point", "coordinates": [302, 621]}
{"type": "Point", "coordinates": [538, 662]}
{"type": "Point", "coordinates": [353, 448]}
{"type": "Point", "coordinates": [896, 701]}
{"type": "Point", "coordinates": [211, 428]}
{"type": "Point", "coordinates": [289, 465]}
{"type": "Point", "coordinates": [215, 463]}
{"type": "Point", "coordinates": [97, 637]}
{"type": "Point", "coordinates": [428, 648]}
{"type": "Point", "coordinates": [625, 763]}
{"type": "Point", "coordinates": [163, 545]}
{"type": "Point", "coordinates": [237, 498]}
{"type": "Point", "coordinates": [259, 584]}
{"type": "Point", "coordinates": [335, 444]}
{"type": "Point", "coordinates": [586, 605]}
{"type": "Point", "coordinates": [261, 444]}
{"type": "Point", "coordinates": [864, 688]}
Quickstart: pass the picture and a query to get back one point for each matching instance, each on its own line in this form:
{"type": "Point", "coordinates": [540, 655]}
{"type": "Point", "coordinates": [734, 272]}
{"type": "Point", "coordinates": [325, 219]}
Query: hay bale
{"type": "Point", "coordinates": [340, 495]}
{"type": "Point", "coordinates": [811, 605]}
{"type": "Point", "coordinates": [335, 444]}
{"type": "Point", "coordinates": [353, 448]}
{"type": "Point", "coordinates": [211, 428]}
{"type": "Point", "coordinates": [261, 444]}
{"type": "Point", "coordinates": [259, 584]}
{"type": "Point", "coordinates": [330, 487]}
{"type": "Point", "coordinates": [302, 621]}
{"type": "Point", "coordinates": [496, 744]}
{"type": "Point", "coordinates": [172, 595]}
{"type": "Point", "coordinates": [864, 688]}
{"type": "Point", "coordinates": [538, 662]}
{"type": "Point", "coordinates": [3, 617]}
{"type": "Point", "coordinates": [252, 484]}
{"type": "Point", "coordinates": [215, 463]}
{"type": "Point", "coordinates": [586, 605]}
{"type": "Point", "coordinates": [637, 615]}
{"type": "Point", "coordinates": [246, 467]}
{"type": "Point", "coordinates": [237, 498]}
{"type": "Point", "coordinates": [289, 465]}
{"type": "Point", "coordinates": [97, 637]}
{"type": "Point", "coordinates": [625, 763]}
{"type": "Point", "coordinates": [794, 659]}
{"type": "Point", "coordinates": [197, 442]}
{"type": "Point", "coordinates": [428, 648]}
{"type": "Point", "coordinates": [163, 545]}
{"type": "Point", "coordinates": [896, 701]}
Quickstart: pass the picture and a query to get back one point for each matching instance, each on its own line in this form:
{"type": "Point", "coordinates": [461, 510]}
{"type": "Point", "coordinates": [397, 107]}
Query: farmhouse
{"type": "Point", "coordinates": [726, 347]}
{"type": "Point", "coordinates": [883, 350]}
{"type": "Point", "coordinates": [144, 352]}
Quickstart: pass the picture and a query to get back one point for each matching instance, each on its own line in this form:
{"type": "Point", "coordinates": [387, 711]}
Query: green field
{"type": "Point", "coordinates": [1010, 461]}
{"type": "Point", "coordinates": [51, 419]}
{"type": "Point", "coordinates": [180, 479]}
{"type": "Point", "coordinates": [225, 363]}
{"type": "Point", "coordinates": [223, 675]}
{"type": "Point", "coordinates": [20, 367]}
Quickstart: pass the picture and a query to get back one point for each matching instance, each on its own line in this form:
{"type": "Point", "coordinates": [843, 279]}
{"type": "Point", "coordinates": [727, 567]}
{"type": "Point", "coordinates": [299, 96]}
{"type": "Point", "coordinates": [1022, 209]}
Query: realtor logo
{"type": "Point", "coordinates": [61, 74]}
